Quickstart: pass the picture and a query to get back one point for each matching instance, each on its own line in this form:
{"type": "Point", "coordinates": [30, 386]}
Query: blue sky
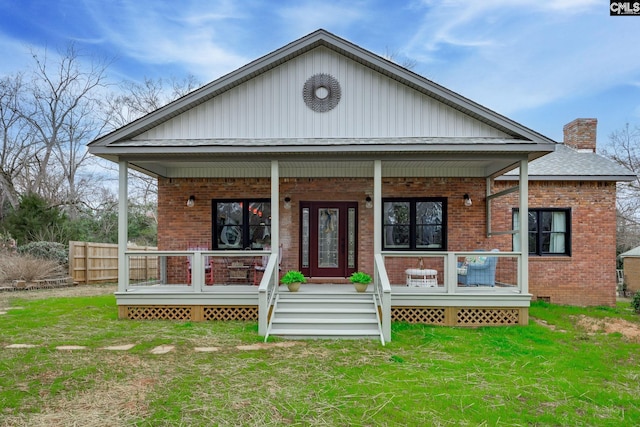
{"type": "Point", "coordinates": [541, 63]}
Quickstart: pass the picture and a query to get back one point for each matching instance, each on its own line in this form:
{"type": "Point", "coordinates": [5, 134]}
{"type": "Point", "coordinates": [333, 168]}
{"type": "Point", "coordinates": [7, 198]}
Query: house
{"type": "Point", "coordinates": [572, 192]}
{"type": "Point", "coordinates": [631, 270]}
{"type": "Point", "coordinates": [326, 158]}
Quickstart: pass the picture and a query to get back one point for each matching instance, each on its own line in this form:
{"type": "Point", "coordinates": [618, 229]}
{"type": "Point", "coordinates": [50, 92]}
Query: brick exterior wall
{"type": "Point", "coordinates": [587, 277]}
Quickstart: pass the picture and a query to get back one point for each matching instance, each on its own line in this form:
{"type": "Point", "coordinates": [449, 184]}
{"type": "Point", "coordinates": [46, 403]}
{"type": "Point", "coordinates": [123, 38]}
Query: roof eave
{"type": "Point", "coordinates": [532, 150]}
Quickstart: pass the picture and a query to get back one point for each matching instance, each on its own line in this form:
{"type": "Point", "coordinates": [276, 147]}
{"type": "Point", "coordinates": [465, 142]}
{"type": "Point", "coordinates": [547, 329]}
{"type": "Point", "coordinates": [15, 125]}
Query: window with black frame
{"type": "Point", "coordinates": [414, 224]}
{"type": "Point", "coordinates": [241, 224]}
{"type": "Point", "coordinates": [549, 231]}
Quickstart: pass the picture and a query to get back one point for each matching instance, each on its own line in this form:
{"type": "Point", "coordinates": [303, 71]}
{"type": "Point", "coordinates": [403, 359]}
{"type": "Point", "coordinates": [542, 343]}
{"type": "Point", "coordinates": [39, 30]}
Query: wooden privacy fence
{"type": "Point", "coordinates": [98, 263]}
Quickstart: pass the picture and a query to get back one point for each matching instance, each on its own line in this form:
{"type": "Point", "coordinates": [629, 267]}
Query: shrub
{"type": "Point", "coordinates": [360, 277]}
{"type": "Point", "coordinates": [635, 302]}
{"type": "Point", "coordinates": [28, 268]}
{"type": "Point", "coordinates": [53, 251]}
{"type": "Point", "coordinates": [293, 276]}
{"type": "Point", "coordinates": [7, 243]}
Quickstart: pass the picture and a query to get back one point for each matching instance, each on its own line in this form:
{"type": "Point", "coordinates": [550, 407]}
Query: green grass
{"type": "Point", "coordinates": [553, 374]}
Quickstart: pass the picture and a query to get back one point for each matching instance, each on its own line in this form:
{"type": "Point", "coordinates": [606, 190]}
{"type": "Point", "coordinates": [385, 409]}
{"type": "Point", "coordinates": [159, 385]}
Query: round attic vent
{"type": "Point", "coordinates": [321, 92]}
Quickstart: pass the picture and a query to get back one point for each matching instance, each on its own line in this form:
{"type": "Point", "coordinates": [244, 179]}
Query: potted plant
{"type": "Point", "coordinates": [360, 280]}
{"type": "Point", "coordinates": [293, 279]}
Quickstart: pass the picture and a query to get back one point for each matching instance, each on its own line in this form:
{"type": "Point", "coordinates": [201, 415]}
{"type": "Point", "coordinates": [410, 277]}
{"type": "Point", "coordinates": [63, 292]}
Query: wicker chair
{"type": "Point", "coordinates": [478, 271]}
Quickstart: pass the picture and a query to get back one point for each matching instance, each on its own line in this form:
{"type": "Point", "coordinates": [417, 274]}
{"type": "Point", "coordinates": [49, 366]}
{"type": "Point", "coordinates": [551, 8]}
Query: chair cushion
{"type": "Point", "coordinates": [475, 260]}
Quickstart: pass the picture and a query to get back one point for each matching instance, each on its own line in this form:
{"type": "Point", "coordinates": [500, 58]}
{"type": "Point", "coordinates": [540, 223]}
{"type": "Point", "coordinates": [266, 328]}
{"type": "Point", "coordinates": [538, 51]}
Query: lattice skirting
{"type": "Point", "coordinates": [194, 313]}
{"type": "Point", "coordinates": [445, 316]}
{"type": "Point", "coordinates": [461, 316]}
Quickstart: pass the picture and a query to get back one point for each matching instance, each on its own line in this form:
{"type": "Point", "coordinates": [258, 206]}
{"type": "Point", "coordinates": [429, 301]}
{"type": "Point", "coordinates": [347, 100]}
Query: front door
{"type": "Point", "coordinates": [328, 246]}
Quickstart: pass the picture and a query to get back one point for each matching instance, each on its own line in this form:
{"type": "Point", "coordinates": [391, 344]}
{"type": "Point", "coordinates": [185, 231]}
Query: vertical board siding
{"type": "Point", "coordinates": [271, 106]}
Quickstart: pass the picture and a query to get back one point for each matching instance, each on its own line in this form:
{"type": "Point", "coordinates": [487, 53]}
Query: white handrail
{"type": "Point", "coordinates": [266, 293]}
{"type": "Point", "coordinates": [383, 289]}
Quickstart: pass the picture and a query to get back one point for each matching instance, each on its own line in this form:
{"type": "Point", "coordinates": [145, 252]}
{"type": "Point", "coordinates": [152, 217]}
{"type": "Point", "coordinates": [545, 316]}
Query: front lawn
{"type": "Point", "coordinates": [561, 370]}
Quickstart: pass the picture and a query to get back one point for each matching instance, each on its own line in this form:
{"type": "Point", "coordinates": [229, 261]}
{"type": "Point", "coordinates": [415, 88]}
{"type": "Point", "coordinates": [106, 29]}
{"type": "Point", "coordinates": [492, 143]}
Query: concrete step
{"type": "Point", "coordinates": [308, 315]}
{"type": "Point", "coordinates": [320, 314]}
{"type": "Point", "coordinates": [333, 306]}
{"type": "Point", "coordinates": [337, 322]}
{"type": "Point", "coordinates": [325, 296]}
{"type": "Point", "coordinates": [324, 333]}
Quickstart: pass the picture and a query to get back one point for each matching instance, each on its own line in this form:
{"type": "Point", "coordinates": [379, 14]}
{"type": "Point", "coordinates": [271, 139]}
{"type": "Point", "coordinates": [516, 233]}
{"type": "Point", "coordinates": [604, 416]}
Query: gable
{"type": "Point", "coordinates": [271, 105]}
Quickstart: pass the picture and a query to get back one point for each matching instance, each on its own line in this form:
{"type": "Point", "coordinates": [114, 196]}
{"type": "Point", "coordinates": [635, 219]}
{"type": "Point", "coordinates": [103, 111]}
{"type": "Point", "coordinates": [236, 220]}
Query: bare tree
{"type": "Point", "coordinates": [16, 142]}
{"type": "Point", "coordinates": [394, 56]}
{"type": "Point", "coordinates": [136, 100]}
{"type": "Point", "coordinates": [59, 105]}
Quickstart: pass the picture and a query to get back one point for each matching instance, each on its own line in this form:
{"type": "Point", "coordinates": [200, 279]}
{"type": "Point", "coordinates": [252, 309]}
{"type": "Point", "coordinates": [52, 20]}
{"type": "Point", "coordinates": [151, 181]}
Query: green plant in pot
{"type": "Point", "coordinates": [360, 280]}
{"type": "Point", "coordinates": [293, 279]}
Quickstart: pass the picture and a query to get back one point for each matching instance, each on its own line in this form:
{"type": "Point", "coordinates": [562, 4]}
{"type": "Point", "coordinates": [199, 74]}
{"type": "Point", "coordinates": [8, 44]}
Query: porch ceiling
{"type": "Point", "coordinates": [236, 168]}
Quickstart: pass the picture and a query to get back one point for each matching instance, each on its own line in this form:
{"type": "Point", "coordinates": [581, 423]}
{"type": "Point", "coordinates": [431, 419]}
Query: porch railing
{"type": "Point", "coordinates": [266, 293]}
{"type": "Point", "coordinates": [192, 270]}
{"type": "Point", "coordinates": [382, 290]}
{"type": "Point", "coordinates": [505, 276]}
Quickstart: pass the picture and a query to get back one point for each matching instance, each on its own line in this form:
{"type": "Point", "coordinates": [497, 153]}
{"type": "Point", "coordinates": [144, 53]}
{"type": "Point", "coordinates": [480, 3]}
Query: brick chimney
{"type": "Point", "coordinates": [581, 134]}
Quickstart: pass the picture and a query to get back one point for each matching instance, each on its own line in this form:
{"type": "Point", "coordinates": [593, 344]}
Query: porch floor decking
{"type": "Point", "coordinates": [327, 288]}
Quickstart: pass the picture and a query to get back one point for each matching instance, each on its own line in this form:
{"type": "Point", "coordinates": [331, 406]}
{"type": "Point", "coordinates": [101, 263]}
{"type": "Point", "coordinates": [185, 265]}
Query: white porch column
{"type": "Point", "coordinates": [377, 207]}
{"type": "Point", "coordinates": [263, 295]}
{"type": "Point", "coordinates": [123, 222]}
{"type": "Point", "coordinates": [524, 226]}
{"type": "Point", "coordinates": [275, 207]}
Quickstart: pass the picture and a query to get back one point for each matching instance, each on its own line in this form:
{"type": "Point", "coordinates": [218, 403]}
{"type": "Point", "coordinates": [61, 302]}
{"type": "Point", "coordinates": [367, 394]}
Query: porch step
{"type": "Point", "coordinates": [321, 315]}
{"type": "Point", "coordinates": [329, 280]}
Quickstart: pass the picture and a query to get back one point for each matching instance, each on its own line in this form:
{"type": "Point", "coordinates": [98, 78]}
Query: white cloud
{"type": "Point", "coordinates": [515, 55]}
{"type": "Point", "coordinates": [18, 51]}
{"type": "Point", "coordinates": [307, 16]}
{"type": "Point", "coordinates": [181, 33]}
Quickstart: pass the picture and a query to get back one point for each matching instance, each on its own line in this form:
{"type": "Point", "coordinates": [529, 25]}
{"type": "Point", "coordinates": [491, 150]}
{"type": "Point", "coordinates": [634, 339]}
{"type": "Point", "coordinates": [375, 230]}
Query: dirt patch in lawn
{"type": "Point", "coordinates": [629, 330]}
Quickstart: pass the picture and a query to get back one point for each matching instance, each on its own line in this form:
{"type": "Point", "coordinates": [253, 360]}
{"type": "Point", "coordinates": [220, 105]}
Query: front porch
{"type": "Point", "coordinates": [448, 303]}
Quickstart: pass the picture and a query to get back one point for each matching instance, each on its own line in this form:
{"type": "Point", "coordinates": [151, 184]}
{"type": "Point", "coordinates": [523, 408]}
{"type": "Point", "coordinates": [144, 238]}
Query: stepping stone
{"type": "Point", "coordinates": [21, 346]}
{"type": "Point", "coordinates": [264, 346]}
{"type": "Point", "coordinates": [3, 312]}
{"type": "Point", "coordinates": [162, 349]}
{"type": "Point", "coordinates": [253, 347]}
{"type": "Point", "coordinates": [207, 349]}
{"type": "Point", "coordinates": [123, 347]}
{"type": "Point", "coordinates": [14, 308]}
{"type": "Point", "coordinates": [70, 347]}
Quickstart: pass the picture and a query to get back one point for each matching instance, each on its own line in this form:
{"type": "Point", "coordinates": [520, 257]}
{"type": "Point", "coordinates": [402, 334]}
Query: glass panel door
{"type": "Point", "coordinates": [328, 238]}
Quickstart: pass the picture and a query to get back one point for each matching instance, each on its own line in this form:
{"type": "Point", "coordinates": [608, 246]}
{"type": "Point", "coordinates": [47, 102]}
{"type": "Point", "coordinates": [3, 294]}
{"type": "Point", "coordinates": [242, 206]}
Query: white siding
{"type": "Point", "coordinates": [271, 106]}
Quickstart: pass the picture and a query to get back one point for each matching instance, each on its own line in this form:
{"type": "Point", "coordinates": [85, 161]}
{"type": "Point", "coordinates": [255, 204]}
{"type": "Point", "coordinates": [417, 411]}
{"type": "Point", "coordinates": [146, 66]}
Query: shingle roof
{"type": "Point", "coordinates": [567, 163]}
{"type": "Point", "coordinates": [635, 252]}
